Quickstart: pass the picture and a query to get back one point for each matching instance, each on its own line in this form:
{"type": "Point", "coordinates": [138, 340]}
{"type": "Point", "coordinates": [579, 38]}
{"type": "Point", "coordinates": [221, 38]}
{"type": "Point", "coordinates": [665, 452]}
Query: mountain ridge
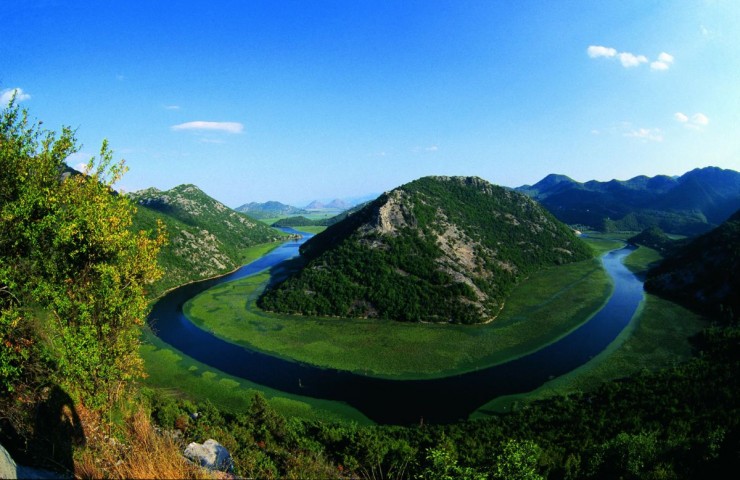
{"type": "Point", "coordinates": [206, 238]}
{"type": "Point", "coordinates": [692, 203]}
{"type": "Point", "coordinates": [441, 249]}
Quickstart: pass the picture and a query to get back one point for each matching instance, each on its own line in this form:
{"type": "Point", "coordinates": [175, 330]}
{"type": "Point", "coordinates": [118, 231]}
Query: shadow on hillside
{"type": "Point", "coordinates": [44, 436]}
{"type": "Point", "coordinates": [284, 269]}
{"type": "Point", "coordinates": [57, 430]}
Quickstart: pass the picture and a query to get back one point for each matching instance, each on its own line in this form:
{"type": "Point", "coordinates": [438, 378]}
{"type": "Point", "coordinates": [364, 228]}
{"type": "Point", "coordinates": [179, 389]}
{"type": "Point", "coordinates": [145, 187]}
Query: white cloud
{"type": "Point", "coordinates": [7, 94]}
{"type": "Point", "coordinates": [663, 63]}
{"type": "Point", "coordinates": [172, 107]}
{"type": "Point", "coordinates": [646, 134]}
{"type": "Point", "coordinates": [595, 51]}
{"type": "Point", "coordinates": [695, 122]}
{"type": "Point", "coordinates": [665, 57]}
{"type": "Point", "coordinates": [681, 117]}
{"type": "Point", "coordinates": [630, 60]}
{"type": "Point", "coordinates": [227, 127]}
{"type": "Point", "coordinates": [433, 148]}
{"type": "Point", "coordinates": [700, 119]}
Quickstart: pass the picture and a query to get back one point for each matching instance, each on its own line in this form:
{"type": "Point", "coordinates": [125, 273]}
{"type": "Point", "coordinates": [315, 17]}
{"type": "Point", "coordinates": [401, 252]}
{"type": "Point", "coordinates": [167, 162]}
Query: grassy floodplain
{"type": "Point", "coordinates": [657, 336]}
{"type": "Point", "coordinates": [170, 370]}
{"type": "Point", "coordinates": [545, 307]}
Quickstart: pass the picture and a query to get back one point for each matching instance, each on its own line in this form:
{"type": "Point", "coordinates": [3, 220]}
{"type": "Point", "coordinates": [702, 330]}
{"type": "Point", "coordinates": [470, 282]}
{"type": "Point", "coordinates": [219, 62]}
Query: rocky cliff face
{"type": "Point", "coordinates": [437, 249]}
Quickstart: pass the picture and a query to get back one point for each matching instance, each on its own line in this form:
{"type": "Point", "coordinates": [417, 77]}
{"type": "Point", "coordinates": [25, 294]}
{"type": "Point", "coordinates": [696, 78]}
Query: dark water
{"type": "Point", "coordinates": [399, 401]}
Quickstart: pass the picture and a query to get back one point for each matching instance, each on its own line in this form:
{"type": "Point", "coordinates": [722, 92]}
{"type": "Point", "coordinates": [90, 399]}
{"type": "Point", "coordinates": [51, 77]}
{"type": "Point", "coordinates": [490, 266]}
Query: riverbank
{"type": "Point", "coordinates": [658, 336]}
{"type": "Point", "coordinates": [544, 308]}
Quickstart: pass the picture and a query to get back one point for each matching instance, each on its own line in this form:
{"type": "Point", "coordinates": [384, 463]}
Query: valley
{"type": "Point", "coordinates": [544, 307]}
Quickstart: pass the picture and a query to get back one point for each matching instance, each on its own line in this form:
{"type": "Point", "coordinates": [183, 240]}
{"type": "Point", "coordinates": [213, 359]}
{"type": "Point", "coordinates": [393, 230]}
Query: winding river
{"type": "Point", "coordinates": [441, 400]}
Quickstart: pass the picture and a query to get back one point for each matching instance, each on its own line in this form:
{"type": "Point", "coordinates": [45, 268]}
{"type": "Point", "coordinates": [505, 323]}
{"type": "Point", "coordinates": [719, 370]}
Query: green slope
{"type": "Point", "coordinates": [206, 238]}
{"type": "Point", "coordinates": [704, 273]}
{"type": "Point", "coordinates": [439, 249]}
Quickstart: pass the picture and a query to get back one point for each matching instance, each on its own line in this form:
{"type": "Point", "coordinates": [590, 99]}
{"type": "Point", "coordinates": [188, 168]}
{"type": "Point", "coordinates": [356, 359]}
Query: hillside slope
{"type": "Point", "coordinates": [704, 273]}
{"type": "Point", "coordinates": [690, 204]}
{"type": "Point", "coordinates": [206, 238]}
{"type": "Point", "coordinates": [440, 249]}
{"type": "Point", "coordinates": [269, 210]}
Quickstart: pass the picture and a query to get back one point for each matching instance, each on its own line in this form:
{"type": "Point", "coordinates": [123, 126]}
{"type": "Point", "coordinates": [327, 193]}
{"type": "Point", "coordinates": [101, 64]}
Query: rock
{"type": "Point", "coordinates": [9, 469]}
{"type": "Point", "coordinates": [211, 455]}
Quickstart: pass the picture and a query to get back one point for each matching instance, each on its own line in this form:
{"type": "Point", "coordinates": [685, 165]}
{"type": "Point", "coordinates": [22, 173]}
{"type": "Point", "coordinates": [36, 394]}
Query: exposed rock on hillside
{"type": "Point", "coordinates": [442, 249]}
{"type": "Point", "coordinates": [206, 237]}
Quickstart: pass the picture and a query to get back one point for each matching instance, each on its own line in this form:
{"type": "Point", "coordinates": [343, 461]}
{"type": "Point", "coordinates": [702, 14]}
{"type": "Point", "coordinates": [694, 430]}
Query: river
{"type": "Point", "coordinates": [443, 400]}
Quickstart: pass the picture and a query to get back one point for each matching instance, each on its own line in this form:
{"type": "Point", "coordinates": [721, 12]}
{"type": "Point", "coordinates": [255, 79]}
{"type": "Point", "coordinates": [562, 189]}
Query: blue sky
{"type": "Point", "coordinates": [297, 100]}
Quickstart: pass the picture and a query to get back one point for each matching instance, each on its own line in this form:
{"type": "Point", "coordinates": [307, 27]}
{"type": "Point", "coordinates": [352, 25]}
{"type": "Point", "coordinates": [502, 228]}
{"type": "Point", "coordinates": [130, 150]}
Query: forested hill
{"type": "Point", "coordinates": [693, 203]}
{"type": "Point", "coordinates": [704, 273]}
{"type": "Point", "coordinates": [269, 210]}
{"type": "Point", "coordinates": [441, 249]}
{"type": "Point", "coordinates": [206, 237]}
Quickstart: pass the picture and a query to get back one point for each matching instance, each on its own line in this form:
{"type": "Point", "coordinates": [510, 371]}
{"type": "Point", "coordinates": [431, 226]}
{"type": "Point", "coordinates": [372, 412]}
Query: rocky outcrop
{"type": "Point", "coordinates": [10, 469]}
{"type": "Point", "coordinates": [211, 455]}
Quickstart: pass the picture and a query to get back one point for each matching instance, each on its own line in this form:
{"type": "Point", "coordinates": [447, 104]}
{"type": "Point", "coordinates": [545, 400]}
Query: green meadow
{"type": "Point", "coordinates": [542, 309]}
{"type": "Point", "coordinates": [657, 336]}
{"type": "Point", "coordinates": [172, 371]}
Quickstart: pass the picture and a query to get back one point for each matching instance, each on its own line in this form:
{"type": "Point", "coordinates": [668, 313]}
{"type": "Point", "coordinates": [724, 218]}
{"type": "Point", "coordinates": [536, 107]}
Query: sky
{"type": "Point", "coordinates": [301, 100]}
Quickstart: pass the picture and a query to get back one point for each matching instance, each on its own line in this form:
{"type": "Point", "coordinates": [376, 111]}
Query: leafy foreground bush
{"type": "Point", "coordinates": [73, 279]}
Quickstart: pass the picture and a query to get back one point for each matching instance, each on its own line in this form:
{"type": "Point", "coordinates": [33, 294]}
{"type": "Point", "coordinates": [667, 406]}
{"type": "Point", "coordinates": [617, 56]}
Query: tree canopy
{"type": "Point", "coordinates": [73, 273]}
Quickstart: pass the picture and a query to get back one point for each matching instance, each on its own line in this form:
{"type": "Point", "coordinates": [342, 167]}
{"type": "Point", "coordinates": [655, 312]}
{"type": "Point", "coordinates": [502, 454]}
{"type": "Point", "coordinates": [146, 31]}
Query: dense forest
{"type": "Point", "coordinates": [703, 274]}
{"type": "Point", "coordinates": [437, 249]}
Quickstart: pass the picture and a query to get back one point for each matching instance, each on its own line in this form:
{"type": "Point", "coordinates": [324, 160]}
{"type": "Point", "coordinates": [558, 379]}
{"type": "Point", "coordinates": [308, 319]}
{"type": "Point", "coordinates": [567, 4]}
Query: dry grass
{"type": "Point", "coordinates": [145, 453]}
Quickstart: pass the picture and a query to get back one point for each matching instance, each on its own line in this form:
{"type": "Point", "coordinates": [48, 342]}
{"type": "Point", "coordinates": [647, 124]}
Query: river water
{"type": "Point", "coordinates": [441, 400]}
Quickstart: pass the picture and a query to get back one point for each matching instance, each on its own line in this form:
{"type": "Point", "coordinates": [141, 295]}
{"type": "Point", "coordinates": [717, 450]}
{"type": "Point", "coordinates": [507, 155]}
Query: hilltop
{"type": "Point", "coordinates": [440, 249]}
{"type": "Point", "coordinates": [704, 273]}
{"type": "Point", "coordinates": [690, 204]}
{"type": "Point", "coordinates": [270, 209]}
{"type": "Point", "coordinates": [206, 237]}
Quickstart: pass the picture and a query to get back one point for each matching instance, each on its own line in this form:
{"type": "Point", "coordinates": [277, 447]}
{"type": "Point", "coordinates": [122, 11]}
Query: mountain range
{"type": "Point", "coordinates": [440, 249]}
{"type": "Point", "coordinates": [336, 204]}
{"type": "Point", "coordinates": [206, 237]}
{"type": "Point", "coordinates": [690, 204]}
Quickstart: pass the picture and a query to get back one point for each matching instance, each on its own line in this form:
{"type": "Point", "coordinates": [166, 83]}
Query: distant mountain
{"type": "Point", "coordinates": [269, 210]}
{"type": "Point", "coordinates": [338, 204]}
{"type": "Point", "coordinates": [440, 249]}
{"type": "Point", "coordinates": [690, 204]}
{"type": "Point", "coordinates": [315, 205]}
{"type": "Point", "coordinates": [301, 221]}
{"type": "Point", "coordinates": [206, 238]}
{"type": "Point", "coordinates": [704, 273]}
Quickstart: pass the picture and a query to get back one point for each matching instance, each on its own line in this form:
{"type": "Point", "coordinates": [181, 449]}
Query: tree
{"type": "Point", "coordinates": [71, 269]}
